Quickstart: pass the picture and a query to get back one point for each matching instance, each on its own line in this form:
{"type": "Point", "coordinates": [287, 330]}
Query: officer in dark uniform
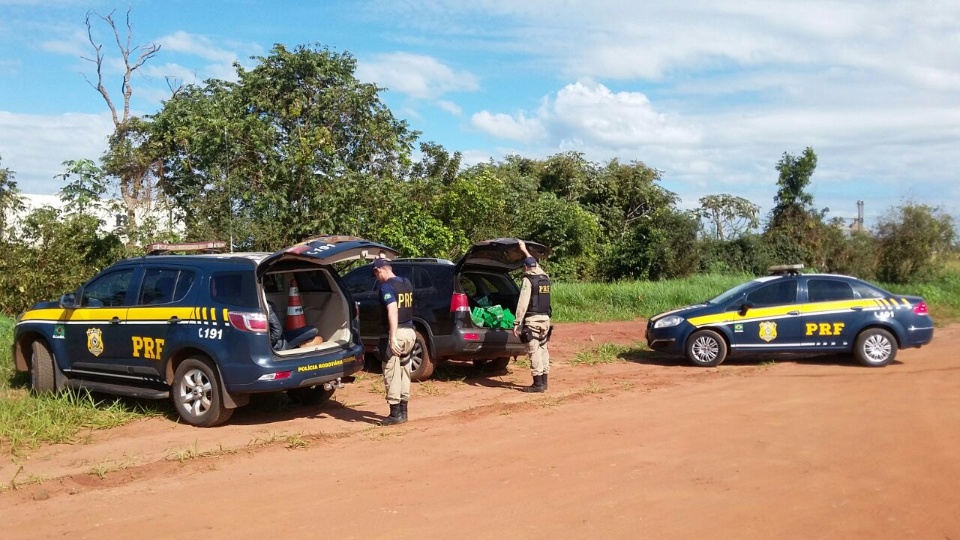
{"type": "Point", "coordinates": [396, 294]}
{"type": "Point", "coordinates": [533, 319]}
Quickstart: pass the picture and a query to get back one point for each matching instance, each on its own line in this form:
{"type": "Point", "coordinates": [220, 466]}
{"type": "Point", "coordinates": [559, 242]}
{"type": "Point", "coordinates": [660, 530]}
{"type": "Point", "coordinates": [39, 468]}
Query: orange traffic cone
{"type": "Point", "coordinates": [295, 318]}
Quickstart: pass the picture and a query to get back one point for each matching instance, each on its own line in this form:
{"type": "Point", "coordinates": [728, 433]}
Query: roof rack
{"type": "Point", "coordinates": [785, 269]}
{"type": "Point", "coordinates": [162, 248]}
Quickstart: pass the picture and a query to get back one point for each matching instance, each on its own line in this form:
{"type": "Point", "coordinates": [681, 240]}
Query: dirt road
{"type": "Point", "coordinates": [641, 448]}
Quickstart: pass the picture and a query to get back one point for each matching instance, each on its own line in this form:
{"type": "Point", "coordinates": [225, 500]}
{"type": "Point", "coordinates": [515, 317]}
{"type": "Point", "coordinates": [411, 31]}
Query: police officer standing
{"type": "Point", "coordinates": [396, 294]}
{"type": "Point", "coordinates": [533, 319]}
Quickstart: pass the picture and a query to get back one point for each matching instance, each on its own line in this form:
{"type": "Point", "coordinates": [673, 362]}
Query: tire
{"type": "Point", "coordinates": [42, 375]}
{"type": "Point", "coordinates": [421, 364]}
{"type": "Point", "coordinates": [875, 347]}
{"type": "Point", "coordinates": [311, 395]}
{"type": "Point", "coordinates": [706, 348]}
{"type": "Point", "coordinates": [197, 395]}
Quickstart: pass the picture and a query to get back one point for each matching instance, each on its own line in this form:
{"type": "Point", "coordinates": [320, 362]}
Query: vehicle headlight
{"type": "Point", "coordinates": [667, 322]}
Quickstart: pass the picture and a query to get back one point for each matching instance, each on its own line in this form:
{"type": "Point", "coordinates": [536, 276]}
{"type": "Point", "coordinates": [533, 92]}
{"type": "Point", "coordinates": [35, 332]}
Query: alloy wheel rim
{"type": "Point", "coordinates": [705, 349]}
{"type": "Point", "coordinates": [877, 348]}
{"type": "Point", "coordinates": [196, 392]}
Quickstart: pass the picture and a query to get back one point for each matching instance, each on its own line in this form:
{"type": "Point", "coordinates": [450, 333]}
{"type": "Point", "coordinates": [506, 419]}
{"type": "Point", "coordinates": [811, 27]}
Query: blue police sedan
{"type": "Point", "coordinates": [788, 311]}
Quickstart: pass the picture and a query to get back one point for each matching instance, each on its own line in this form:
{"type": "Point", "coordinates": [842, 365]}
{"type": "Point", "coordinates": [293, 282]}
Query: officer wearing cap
{"type": "Point", "coordinates": [396, 295]}
{"type": "Point", "coordinates": [532, 322]}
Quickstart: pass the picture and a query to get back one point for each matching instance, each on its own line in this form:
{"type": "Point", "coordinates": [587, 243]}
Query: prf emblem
{"type": "Point", "coordinates": [95, 341]}
{"type": "Point", "coordinates": [768, 331]}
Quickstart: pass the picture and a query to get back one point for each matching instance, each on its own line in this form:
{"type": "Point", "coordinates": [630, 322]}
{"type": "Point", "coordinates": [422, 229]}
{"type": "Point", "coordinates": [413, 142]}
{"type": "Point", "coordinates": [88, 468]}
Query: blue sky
{"type": "Point", "coordinates": [711, 93]}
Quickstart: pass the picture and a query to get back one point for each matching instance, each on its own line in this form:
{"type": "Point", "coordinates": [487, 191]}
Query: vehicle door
{"type": "Point", "coordinates": [501, 253]}
{"type": "Point", "coordinates": [96, 331]}
{"type": "Point", "coordinates": [832, 314]}
{"type": "Point", "coordinates": [769, 318]}
{"type": "Point", "coordinates": [163, 305]}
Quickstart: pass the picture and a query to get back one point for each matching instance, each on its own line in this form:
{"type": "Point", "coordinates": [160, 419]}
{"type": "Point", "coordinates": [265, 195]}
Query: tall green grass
{"type": "Point", "coordinates": [596, 302]}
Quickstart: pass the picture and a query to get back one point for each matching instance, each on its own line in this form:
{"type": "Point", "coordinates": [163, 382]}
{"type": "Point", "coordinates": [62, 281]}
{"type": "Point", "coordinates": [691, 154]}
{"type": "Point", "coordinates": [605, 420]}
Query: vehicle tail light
{"type": "Point", "coordinates": [921, 308]}
{"type": "Point", "coordinates": [471, 336]}
{"type": "Point", "coordinates": [278, 376]}
{"type": "Point", "coordinates": [248, 322]}
{"type": "Point", "coordinates": [459, 303]}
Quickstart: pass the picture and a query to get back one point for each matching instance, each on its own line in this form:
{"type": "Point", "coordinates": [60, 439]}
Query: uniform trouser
{"type": "Point", "coordinates": [538, 325]}
{"type": "Point", "coordinates": [396, 369]}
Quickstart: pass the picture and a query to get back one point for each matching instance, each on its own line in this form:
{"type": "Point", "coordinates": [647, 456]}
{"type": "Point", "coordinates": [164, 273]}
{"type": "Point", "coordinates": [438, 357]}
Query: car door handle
{"type": "Point", "coordinates": [115, 320]}
{"type": "Point", "coordinates": [794, 312]}
{"type": "Point", "coordinates": [857, 308]}
{"type": "Point", "coordinates": [174, 319]}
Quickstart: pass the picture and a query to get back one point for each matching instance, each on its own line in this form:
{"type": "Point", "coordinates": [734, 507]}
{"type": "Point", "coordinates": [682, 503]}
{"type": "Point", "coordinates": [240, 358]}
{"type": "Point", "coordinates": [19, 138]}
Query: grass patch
{"type": "Point", "coordinates": [604, 353]}
{"type": "Point", "coordinates": [28, 421]}
{"type": "Point", "coordinates": [625, 301]}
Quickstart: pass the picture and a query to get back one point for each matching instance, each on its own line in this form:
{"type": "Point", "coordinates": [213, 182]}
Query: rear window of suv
{"type": "Point", "coordinates": [234, 288]}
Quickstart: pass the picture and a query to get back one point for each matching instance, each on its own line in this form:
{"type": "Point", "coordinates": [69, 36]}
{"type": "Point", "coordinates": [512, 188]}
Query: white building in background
{"type": "Point", "coordinates": [109, 221]}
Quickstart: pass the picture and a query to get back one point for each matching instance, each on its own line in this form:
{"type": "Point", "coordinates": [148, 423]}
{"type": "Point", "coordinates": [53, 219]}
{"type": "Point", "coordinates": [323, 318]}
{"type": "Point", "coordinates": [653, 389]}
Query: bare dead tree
{"type": "Point", "coordinates": [133, 174]}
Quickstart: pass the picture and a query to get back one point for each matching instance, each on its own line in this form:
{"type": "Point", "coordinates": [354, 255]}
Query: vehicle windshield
{"type": "Point", "coordinates": [730, 294]}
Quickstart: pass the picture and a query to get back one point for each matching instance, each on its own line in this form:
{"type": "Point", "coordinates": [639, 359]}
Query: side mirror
{"type": "Point", "coordinates": [746, 306]}
{"type": "Point", "coordinates": [68, 301]}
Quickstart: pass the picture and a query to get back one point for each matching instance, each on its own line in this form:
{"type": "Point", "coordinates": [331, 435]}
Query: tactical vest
{"type": "Point", "coordinates": [404, 290]}
{"type": "Point", "coordinates": [539, 295]}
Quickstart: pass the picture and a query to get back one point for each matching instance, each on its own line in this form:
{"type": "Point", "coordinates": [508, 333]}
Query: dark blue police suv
{"type": "Point", "coordinates": [194, 327]}
{"type": "Point", "coordinates": [796, 313]}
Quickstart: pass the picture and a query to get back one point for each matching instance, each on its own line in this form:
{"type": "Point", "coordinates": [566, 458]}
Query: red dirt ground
{"type": "Point", "coordinates": [643, 447]}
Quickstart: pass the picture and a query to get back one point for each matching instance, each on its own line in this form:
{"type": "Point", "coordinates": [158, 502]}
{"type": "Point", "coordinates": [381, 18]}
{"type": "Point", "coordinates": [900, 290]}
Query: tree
{"type": "Point", "coordinates": [912, 239]}
{"type": "Point", "coordinates": [265, 156]}
{"type": "Point", "coordinates": [10, 199]}
{"type": "Point", "coordinates": [792, 199]}
{"type": "Point", "coordinates": [796, 231]}
{"type": "Point", "coordinates": [436, 164]}
{"type": "Point", "coordinates": [728, 215]}
{"type": "Point", "coordinates": [86, 184]}
{"type": "Point", "coordinates": [122, 158]}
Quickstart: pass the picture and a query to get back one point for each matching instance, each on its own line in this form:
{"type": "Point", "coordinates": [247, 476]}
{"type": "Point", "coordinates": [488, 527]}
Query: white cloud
{"type": "Point", "coordinates": [450, 107]}
{"type": "Point", "coordinates": [503, 126]}
{"type": "Point", "coordinates": [588, 114]}
{"type": "Point", "coordinates": [196, 45]}
{"type": "Point", "coordinates": [34, 146]}
{"type": "Point", "coordinates": [419, 76]}
{"type": "Point", "coordinates": [619, 120]}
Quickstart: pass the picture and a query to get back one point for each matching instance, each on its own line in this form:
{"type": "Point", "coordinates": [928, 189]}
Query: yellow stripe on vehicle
{"type": "Point", "coordinates": [143, 313]}
{"type": "Point", "coordinates": [74, 315]}
{"type": "Point", "coordinates": [838, 306]}
{"type": "Point", "coordinates": [755, 313]}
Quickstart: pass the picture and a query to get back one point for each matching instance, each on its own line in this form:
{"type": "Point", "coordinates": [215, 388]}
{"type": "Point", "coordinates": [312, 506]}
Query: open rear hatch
{"type": "Point", "coordinates": [326, 250]}
{"type": "Point", "coordinates": [500, 253]}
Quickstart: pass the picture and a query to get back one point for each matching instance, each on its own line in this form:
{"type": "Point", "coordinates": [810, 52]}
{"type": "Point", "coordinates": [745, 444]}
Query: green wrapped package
{"type": "Point", "coordinates": [477, 316]}
{"type": "Point", "coordinates": [492, 317]}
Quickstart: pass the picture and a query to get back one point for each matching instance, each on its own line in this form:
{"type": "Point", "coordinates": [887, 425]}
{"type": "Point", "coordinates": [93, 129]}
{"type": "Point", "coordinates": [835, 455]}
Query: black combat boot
{"type": "Point", "coordinates": [544, 381]}
{"type": "Point", "coordinates": [537, 385]}
{"type": "Point", "coordinates": [403, 410]}
{"type": "Point", "coordinates": [395, 417]}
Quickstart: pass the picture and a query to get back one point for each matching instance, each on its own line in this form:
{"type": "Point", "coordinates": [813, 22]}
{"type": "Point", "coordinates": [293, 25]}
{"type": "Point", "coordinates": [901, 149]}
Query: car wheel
{"type": "Point", "coordinates": [196, 394]}
{"type": "Point", "coordinates": [421, 364]}
{"type": "Point", "coordinates": [875, 347]}
{"type": "Point", "coordinates": [311, 395]}
{"type": "Point", "coordinates": [706, 348]}
{"type": "Point", "coordinates": [42, 378]}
